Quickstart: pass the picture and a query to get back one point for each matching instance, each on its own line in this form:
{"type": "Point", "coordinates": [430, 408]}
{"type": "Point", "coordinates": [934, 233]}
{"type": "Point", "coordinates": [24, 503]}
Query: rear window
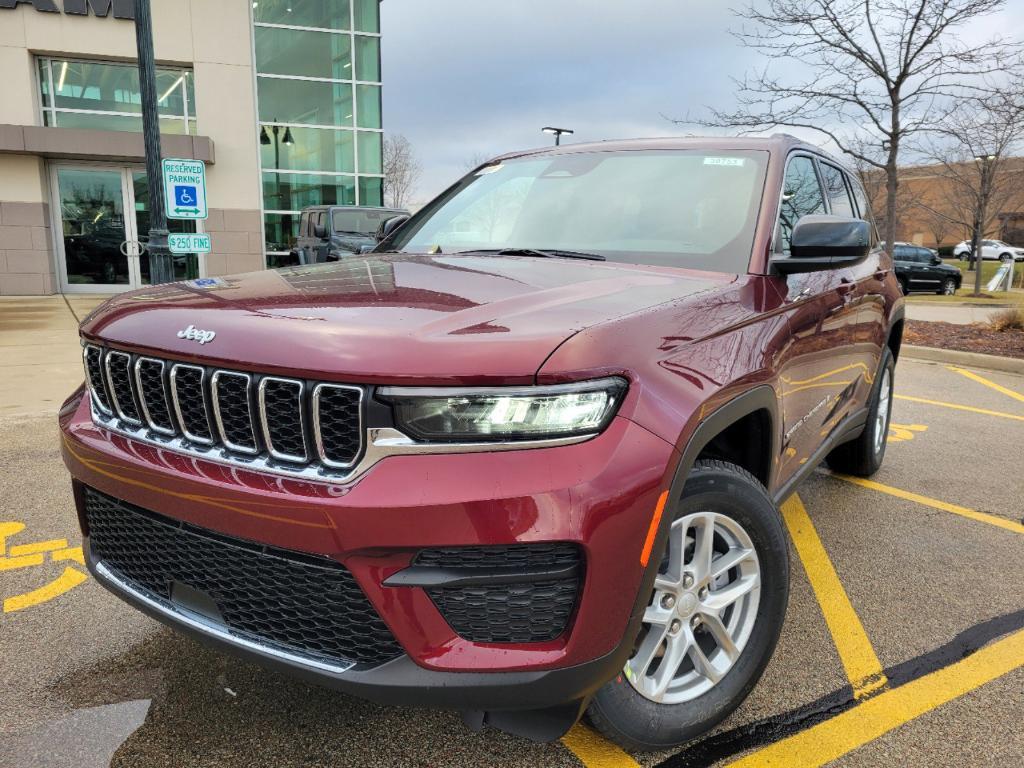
{"type": "Point", "coordinates": [359, 222]}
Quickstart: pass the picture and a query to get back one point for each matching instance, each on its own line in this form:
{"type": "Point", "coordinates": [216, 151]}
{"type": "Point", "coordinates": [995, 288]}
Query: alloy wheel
{"type": "Point", "coordinates": [702, 611]}
{"type": "Point", "coordinates": [882, 415]}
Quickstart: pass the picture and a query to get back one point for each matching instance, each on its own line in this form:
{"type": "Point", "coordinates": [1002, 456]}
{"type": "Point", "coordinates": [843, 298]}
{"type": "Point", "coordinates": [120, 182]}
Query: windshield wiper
{"type": "Point", "coordinates": [540, 253]}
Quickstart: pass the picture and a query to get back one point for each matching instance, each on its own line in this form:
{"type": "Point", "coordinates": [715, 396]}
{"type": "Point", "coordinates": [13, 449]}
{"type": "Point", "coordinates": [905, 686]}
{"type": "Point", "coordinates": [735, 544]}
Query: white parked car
{"type": "Point", "coordinates": [991, 250]}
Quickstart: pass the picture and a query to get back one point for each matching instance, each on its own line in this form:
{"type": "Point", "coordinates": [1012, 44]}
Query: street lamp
{"type": "Point", "coordinates": [266, 141]}
{"type": "Point", "coordinates": [161, 266]}
{"type": "Point", "coordinates": [557, 132]}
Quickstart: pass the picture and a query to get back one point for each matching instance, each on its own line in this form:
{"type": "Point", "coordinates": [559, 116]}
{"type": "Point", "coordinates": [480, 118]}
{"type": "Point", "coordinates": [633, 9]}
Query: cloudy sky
{"type": "Point", "coordinates": [469, 78]}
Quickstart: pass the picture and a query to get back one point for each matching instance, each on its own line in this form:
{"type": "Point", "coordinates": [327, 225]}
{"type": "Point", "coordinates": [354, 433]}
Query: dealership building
{"type": "Point", "coordinates": [280, 98]}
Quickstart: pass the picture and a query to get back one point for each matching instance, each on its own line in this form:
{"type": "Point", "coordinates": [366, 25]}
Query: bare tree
{"type": "Point", "coordinates": [972, 149]}
{"type": "Point", "coordinates": [402, 170]}
{"type": "Point", "coordinates": [878, 72]}
{"type": "Point", "coordinates": [475, 160]}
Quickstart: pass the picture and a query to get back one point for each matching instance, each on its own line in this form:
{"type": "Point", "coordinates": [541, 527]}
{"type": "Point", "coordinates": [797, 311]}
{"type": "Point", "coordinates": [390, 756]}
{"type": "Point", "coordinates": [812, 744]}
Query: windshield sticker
{"type": "Point", "coordinates": [733, 162]}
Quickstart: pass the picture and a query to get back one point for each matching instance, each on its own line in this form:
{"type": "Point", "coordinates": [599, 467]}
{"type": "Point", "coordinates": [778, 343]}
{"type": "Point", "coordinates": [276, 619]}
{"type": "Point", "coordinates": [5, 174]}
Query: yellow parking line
{"type": "Point", "coordinates": [68, 580]}
{"type": "Point", "coordinates": [38, 546]}
{"type": "Point", "coordinates": [871, 719]}
{"type": "Point", "coordinates": [862, 666]}
{"type": "Point", "coordinates": [594, 751]}
{"type": "Point", "coordinates": [956, 509]}
{"type": "Point", "coordinates": [25, 561]}
{"type": "Point", "coordinates": [982, 380]}
{"type": "Point", "coordinates": [958, 407]}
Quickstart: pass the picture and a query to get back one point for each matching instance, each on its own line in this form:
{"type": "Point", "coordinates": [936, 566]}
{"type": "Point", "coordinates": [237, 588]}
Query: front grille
{"type": "Point", "coordinates": [152, 391]}
{"type": "Point", "coordinates": [511, 612]}
{"type": "Point", "coordinates": [233, 405]}
{"type": "Point", "coordinates": [93, 357]}
{"type": "Point", "coordinates": [281, 401]}
{"type": "Point", "coordinates": [228, 414]}
{"type": "Point", "coordinates": [120, 386]}
{"type": "Point", "coordinates": [298, 603]}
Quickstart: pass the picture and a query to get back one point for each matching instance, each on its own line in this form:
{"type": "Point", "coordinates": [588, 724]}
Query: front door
{"type": "Point", "coordinates": [104, 223]}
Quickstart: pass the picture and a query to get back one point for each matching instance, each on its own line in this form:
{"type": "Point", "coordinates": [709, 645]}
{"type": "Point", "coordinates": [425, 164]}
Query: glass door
{"type": "Point", "coordinates": [94, 230]}
{"type": "Point", "coordinates": [186, 265]}
{"type": "Point", "coordinates": [104, 226]}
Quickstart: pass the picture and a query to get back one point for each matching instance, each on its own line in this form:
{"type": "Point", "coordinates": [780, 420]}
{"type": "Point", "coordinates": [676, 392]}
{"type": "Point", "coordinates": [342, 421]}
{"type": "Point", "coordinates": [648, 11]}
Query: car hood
{"type": "Point", "coordinates": [392, 317]}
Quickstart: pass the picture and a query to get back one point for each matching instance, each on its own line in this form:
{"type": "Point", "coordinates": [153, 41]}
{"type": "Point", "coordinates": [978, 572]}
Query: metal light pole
{"type": "Point", "coordinates": [980, 213]}
{"type": "Point", "coordinates": [557, 133]}
{"type": "Point", "coordinates": [161, 267]}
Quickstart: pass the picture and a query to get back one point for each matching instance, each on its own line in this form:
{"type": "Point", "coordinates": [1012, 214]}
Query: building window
{"type": "Point", "coordinates": [318, 87]}
{"type": "Point", "coordinates": [105, 96]}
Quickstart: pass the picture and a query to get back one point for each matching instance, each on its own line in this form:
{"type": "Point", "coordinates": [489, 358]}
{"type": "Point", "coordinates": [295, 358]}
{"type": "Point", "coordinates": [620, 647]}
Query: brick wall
{"type": "Point", "coordinates": [26, 248]}
{"type": "Point", "coordinates": [237, 241]}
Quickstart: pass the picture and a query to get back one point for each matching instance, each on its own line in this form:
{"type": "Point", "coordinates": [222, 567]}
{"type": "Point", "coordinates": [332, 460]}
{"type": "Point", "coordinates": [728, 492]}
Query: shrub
{"type": "Point", "coordinates": [1007, 320]}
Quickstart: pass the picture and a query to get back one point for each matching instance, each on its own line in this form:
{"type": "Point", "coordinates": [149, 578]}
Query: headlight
{"type": "Point", "coordinates": [505, 413]}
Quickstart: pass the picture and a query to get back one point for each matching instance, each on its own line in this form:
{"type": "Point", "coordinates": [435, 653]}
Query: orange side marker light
{"type": "Point", "coordinates": [652, 532]}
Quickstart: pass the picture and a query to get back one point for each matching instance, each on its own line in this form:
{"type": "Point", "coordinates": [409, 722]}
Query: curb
{"type": "Point", "coordinates": [956, 357]}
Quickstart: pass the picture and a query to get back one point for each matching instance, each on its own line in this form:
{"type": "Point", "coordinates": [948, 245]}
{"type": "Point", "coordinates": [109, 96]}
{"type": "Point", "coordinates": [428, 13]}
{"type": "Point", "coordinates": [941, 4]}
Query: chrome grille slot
{"type": "Point", "coordinates": [335, 409]}
{"type": "Point", "coordinates": [93, 357]}
{"type": "Point", "coordinates": [189, 396]}
{"type": "Point", "coordinates": [232, 409]}
{"type": "Point", "coordinates": [149, 381]}
{"type": "Point", "coordinates": [292, 427]}
{"type": "Point", "coordinates": [120, 386]}
{"type": "Point", "coordinates": [283, 422]}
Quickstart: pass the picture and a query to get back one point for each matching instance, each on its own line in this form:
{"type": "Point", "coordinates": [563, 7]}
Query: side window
{"type": "Point", "coordinates": [924, 256]}
{"type": "Point", "coordinates": [835, 189]}
{"type": "Point", "coordinates": [901, 253]}
{"type": "Point", "coordinates": [304, 225]}
{"type": "Point", "coordinates": [861, 198]}
{"type": "Point", "coordinates": [321, 221]}
{"type": "Point", "coordinates": [801, 196]}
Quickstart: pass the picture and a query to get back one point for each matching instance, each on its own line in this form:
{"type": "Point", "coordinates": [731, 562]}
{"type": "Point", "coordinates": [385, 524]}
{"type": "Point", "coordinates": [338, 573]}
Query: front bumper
{"type": "Point", "coordinates": [599, 494]}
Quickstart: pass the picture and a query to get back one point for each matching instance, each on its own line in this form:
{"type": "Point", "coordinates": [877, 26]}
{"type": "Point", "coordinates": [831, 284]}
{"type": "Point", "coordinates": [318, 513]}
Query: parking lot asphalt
{"type": "Point", "coordinates": [903, 642]}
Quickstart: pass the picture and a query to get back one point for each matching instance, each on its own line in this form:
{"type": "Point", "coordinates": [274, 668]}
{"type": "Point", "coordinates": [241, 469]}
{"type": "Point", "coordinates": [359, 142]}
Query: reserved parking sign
{"type": "Point", "coordinates": [184, 188]}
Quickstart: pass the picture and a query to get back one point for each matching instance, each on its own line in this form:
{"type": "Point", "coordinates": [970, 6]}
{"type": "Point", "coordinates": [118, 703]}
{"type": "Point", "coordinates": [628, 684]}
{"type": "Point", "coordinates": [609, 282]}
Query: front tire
{"type": "Point", "coordinates": [863, 456]}
{"type": "Point", "coordinates": [713, 618]}
{"type": "Point", "coordinates": [948, 287]}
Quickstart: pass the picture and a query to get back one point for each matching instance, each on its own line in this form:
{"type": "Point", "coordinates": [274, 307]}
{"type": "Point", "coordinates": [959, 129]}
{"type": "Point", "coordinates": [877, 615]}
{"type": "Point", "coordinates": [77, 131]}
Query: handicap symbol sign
{"type": "Point", "coordinates": [184, 195]}
{"type": "Point", "coordinates": [184, 183]}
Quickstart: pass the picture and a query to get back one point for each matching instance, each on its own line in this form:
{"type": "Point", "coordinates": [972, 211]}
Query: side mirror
{"type": "Point", "coordinates": [389, 226]}
{"type": "Point", "coordinates": [320, 231]}
{"type": "Point", "coordinates": [936, 261]}
{"type": "Point", "coordinates": [821, 242]}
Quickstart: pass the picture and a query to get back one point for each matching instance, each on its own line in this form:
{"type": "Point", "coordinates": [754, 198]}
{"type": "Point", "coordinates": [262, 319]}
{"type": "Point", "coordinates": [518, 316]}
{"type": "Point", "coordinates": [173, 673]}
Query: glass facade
{"type": "Point", "coordinates": [318, 87]}
{"type": "Point", "coordinates": [105, 96]}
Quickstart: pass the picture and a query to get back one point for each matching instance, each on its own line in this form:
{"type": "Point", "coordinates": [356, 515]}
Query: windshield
{"type": "Point", "coordinates": [361, 222]}
{"type": "Point", "coordinates": [686, 208]}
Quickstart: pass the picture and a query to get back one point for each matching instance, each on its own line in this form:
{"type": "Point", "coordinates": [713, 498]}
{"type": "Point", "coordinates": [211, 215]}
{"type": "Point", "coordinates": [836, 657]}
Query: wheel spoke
{"type": "Point", "coordinates": [655, 614]}
{"type": "Point", "coordinates": [720, 599]}
{"type": "Point", "coordinates": [729, 560]}
{"type": "Point", "coordinates": [721, 634]}
{"type": "Point", "coordinates": [648, 650]}
{"type": "Point", "coordinates": [702, 664]}
{"type": "Point", "coordinates": [704, 529]}
{"type": "Point", "coordinates": [676, 648]}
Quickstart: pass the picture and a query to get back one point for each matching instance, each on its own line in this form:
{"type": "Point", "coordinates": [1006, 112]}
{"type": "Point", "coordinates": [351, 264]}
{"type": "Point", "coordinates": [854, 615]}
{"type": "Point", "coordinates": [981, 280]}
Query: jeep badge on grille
{"type": "Point", "coordinates": [194, 334]}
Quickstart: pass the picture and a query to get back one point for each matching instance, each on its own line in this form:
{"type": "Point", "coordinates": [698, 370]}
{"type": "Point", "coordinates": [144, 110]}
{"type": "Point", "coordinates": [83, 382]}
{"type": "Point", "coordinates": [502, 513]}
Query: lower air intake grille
{"type": "Point", "coordinates": [512, 612]}
{"type": "Point", "coordinates": [297, 602]}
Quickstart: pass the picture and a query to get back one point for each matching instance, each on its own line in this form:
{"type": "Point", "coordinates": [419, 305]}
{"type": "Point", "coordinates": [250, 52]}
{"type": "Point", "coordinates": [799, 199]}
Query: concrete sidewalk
{"type": "Point", "coordinates": [40, 357]}
{"type": "Point", "coordinates": [958, 314]}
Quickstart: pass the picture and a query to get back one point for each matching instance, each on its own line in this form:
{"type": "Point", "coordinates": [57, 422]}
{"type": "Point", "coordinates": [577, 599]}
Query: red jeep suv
{"type": "Point", "coordinates": [524, 459]}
